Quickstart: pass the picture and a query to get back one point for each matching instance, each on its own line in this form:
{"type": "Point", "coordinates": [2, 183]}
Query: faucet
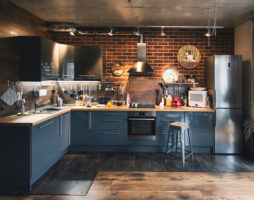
{"type": "Point", "coordinates": [36, 105]}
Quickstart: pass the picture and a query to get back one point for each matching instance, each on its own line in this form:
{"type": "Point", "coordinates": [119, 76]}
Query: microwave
{"type": "Point", "coordinates": [197, 98]}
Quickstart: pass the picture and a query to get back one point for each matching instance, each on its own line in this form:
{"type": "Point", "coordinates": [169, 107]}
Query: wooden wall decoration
{"type": "Point", "coordinates": [188, 56]}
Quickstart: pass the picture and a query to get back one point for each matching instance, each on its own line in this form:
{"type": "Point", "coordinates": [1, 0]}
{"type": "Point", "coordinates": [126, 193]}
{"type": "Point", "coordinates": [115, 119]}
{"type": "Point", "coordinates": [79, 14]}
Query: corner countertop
{"type": "Point", "coordinates": [33, 119]}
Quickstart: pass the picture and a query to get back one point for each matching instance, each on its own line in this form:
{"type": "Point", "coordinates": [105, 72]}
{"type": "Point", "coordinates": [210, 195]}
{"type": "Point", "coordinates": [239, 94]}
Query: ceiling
{"type": "Point", "coordinates": [139, 12]}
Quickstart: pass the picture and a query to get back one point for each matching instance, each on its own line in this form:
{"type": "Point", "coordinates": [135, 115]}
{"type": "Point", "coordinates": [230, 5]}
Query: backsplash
{"type": "Point", "coordinates": [63, 89]}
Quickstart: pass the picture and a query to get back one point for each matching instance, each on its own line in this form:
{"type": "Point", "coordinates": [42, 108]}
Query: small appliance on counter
{"type": "Point", "coordinates": [177, 102]}
{"type": "Point", "coordinates": [197, 98]}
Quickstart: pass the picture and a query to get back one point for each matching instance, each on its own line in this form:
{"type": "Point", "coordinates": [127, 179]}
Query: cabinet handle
{"type": "Point", "coordinates": [112, 120]}
{"type": "Point", "coordinates": [141, 119]}
{"type": "Point", "coordinates": [61, 128]}
{"type": "Point", "coordinates": [111, 113]}
{"type": "Point", "coordinates": [85, 75]}
{"type": "Point", "coordinates": [111, 133]}
{"type": "Point", "coordinates": [90, 121]}
{"type": "Point", "coordinates": [46, 124]}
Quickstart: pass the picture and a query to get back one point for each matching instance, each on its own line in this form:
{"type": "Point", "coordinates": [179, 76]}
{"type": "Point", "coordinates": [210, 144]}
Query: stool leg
{"type": "Point", "coordinates": [176, 142]}
{"type": "Point", "coordinates": [190, 145]}
{"type": "Point", "coordinates": [168, 140]}
{"type": "Point", "coordinates": [183, 147]}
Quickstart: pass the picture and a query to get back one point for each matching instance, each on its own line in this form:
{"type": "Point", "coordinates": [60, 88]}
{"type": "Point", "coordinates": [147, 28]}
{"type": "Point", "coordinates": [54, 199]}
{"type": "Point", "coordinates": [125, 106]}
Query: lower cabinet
{"type": "Point", "coordinates": [45, 146]}
{"type": "Point", "coordinates": [112, 128]}
{"type": "Point", "coordinates": [98, 128]}
{"type": "Point", "coordinates": [64, 130]}
{"type": "Point", "coordinates": [162, 125]}
{"type": "Point", "coordinates": [49, 141]}
{"type": "Point", "coordinates": [83, 131]}
{"type": "Point", "coordinates": [201, 130]}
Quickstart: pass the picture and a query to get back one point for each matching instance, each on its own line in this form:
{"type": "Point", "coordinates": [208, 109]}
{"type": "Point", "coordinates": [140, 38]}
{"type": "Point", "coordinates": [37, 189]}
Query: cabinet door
{"type": "Point", "coordinates": [83, 130]}
{"type": "Point", "coordinates": [66, 62]}
{"type": "Point", "coordinates": [201, 128]}
{"type": "Point", "coordinates": [162, 124]}
{"type": "Point", "coordinates": [45, 147]}
{"type": "Point", "coordinates": [112, 129]}
{"type": "Point", "coordinates": [49, 60]}
{"type": "Point", "coordinates": [88, 62]}
{"type": "Point", "coordinates": [64, 131]}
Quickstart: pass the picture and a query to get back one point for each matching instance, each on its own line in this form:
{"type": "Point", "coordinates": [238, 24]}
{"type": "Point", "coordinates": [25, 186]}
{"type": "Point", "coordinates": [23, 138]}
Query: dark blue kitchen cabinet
{"type": "Point", "coordinates": [83, 128]}
{"type": "Point", "coordinates": [64, 131]}
{"type": "Point", "coordinates": [162, 125]}
{"type": "Point", "coordinates": [49, 141]}
{"type": "Point", "coordinates": [15, 159]}
{"type": "Point", "coordinates": [45, 147]}
{"type": "Point", "coordinates": [28, 152]}
{"type": "Point", "coordinates": [112, 128]}
{"type": "Point", "coordinates": [98, 128]}
{"type": "Point", "coordinates": [201, 130]}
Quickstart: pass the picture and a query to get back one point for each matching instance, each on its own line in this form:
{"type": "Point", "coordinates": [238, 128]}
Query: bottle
{"type": "Point", "coordinates": [185, 100]}
{"type": "Point", "coordinates": [208, 104]}
{"type": "Point", "coordinates": [22, 107]}
{"type": "Point", "coordinates": [169, 101]}
{"type": "Point", "coordinates": [76, 100]}
{"type": "Point", "coordinates": [128, 101]}
{"type": "Point", "coordinates": [162, 102]}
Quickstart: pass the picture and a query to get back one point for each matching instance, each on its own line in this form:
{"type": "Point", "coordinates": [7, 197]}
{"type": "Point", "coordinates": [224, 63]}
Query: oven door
{"type": "Point", "coordinates": [141, 128]}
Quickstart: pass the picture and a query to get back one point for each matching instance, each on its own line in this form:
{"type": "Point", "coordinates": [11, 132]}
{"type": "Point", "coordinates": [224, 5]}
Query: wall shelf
{"type": "Point", "coordinates": [181, 83]}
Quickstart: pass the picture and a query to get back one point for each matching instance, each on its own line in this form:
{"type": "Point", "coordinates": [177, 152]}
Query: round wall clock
{"type": "Point", "coordinates": [169, 75]}
{"type": "Point", "coordinates": [188, 56]}
{"type": "Point", "coordinates": [117, 69]}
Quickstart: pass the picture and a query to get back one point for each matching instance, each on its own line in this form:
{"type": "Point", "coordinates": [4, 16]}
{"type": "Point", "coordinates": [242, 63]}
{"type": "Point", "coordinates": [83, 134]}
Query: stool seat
{"type": "Point", "coordinates": [175, 129]}
{"type": "Point", "coordinates": [179, 124]}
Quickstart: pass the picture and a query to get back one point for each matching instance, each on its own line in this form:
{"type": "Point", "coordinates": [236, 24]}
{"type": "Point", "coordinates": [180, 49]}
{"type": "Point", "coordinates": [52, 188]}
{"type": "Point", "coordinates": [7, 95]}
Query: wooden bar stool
{"type": "Point", "coordinates": [175, 129]}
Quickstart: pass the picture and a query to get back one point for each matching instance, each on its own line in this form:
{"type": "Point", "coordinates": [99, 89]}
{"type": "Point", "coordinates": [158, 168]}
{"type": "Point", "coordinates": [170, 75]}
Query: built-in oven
{"type": "Point", "coordinates": [141, 125]}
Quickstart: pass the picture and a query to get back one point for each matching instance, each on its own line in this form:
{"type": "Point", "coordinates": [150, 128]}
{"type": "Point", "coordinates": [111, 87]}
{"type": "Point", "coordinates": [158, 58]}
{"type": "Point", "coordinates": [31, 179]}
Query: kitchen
{"type": "Point", "coordinates": [93, 119]}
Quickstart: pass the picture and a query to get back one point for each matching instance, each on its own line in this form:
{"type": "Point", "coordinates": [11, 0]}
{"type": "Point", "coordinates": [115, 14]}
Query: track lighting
{"type": "Point", "coordinates": [110, 33]}
{"type": "Point", "coordinates": [73, 31]}
{"type": "Point", "coordinates": [208, 34]}
{"type": "Point", "coordinates": [162, 32]}
{"type": "Point", "coordinates": [137, 33]}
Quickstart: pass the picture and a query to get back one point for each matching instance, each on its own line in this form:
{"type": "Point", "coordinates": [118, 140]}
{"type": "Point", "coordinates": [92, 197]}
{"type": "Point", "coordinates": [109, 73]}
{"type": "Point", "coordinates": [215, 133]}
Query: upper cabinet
{"type": "Point", "coordinates": [66, 62]}
{"type": "Point", "coordinates": [33, 58]}
{"type": "Point", "coordinates": [38, 59]}
{"type": "Point", "coordinates": [88, 62]}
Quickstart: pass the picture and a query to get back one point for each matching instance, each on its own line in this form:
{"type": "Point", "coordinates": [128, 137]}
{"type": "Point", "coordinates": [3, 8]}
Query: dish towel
{"type": "Point", "coordinates": [10, 96]}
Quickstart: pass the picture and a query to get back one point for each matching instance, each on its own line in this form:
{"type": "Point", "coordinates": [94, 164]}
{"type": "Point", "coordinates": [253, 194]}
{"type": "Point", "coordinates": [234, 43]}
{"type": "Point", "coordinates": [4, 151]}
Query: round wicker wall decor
{"type": "Point", "coordinates": [188, 56]}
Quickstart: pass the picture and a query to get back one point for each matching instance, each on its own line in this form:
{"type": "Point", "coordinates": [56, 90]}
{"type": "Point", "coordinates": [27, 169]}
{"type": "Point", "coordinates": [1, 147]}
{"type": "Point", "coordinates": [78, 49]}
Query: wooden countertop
{"type": "Point", "coordinates": [33, 119]}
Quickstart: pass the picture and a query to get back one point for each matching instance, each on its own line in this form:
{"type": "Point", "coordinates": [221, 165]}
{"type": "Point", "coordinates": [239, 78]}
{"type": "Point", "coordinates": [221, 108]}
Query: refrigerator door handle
{"type": "Point", "coordinates": [214, 119]}
{"type": "Point", "coordinates": [214, 103]}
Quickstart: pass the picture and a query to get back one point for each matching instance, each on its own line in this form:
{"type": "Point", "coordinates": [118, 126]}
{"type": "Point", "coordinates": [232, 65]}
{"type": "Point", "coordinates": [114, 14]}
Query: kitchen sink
{"type": "Point", "coordinates": [52, 109]}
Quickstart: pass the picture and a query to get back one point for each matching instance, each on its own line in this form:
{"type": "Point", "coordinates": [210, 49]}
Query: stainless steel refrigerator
{"type": "Point", "coordinates": [224, 83]}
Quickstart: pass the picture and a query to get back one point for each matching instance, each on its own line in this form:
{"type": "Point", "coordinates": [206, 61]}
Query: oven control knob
{"type": "Point", "coordinates": [136, 114]}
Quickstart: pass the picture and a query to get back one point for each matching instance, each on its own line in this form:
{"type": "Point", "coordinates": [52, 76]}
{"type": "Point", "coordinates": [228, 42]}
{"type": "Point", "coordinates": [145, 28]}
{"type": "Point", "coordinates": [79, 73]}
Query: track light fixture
{"type": "Point", "coordinates": [73, 31]}
{"type": "Point", "coordinates": [137, 32]}
{"type": "Point", "coordinates": [213, 32]}
{"type": "Point", "coordinates": [162, 32]}
{"type": "Point", "coordinates": [110, 33]}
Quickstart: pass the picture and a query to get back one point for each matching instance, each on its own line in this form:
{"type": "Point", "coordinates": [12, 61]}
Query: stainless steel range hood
{"type": "Point", "coordinates": [141, 67]}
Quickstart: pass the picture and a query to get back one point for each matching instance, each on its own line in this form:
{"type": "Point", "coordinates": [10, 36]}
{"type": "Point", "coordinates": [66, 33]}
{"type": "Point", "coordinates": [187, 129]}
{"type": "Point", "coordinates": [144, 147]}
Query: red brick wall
{"type": "Point", "coordinates": [161, 51]}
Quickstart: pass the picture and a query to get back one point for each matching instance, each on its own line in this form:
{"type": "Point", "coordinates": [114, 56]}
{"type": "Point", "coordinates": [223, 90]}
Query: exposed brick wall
{"type": "Point", "coordinates": [161, 51]}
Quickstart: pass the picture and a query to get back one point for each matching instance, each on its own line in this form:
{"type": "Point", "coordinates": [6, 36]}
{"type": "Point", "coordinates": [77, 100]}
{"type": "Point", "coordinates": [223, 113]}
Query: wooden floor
{"type": "Point", "coordinates": [154, 176]}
